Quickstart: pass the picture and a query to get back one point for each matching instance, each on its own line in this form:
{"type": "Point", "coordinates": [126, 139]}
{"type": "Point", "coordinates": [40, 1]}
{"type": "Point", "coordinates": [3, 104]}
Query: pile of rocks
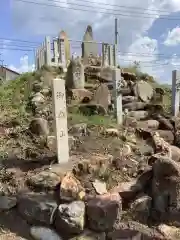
{"type": "Point", "coordinates": [146, 207]}
{"type": "Point", "coordinates": [138, 96]}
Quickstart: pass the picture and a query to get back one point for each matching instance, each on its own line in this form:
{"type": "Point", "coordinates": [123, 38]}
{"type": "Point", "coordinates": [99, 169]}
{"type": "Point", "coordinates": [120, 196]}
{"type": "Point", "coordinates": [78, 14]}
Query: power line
{"type": "Point", "coordinates": [16, 49]}
{"type": "Point", "coordinates": [82, 5]}
{"type": "Point", "coordinates": [157, 65]}
{"type": "Point", "coordinates": [15, 45]}
{"type": "Point", "coordinates": [72, 40]}
{"type": "Point", "coordinates": [89, 10]}
{"type": "Point", "coordinates": [128, 54]}
{"type": "Point", "coordinates": [18, 40]}
{"type": "Point", "coordinates": [152, 63]}
{"type": "Point", "coordinates": [115, 5]}
{"type": "Point", "coordinates": [140, 62]}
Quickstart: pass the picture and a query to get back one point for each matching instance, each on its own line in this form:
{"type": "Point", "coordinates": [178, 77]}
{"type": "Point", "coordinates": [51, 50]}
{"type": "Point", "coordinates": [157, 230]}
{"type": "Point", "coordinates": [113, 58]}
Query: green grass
{"type": "Point", "coordinates": [97, 120]}
{"type": "Point", "coordinates": [13, 96]}
{"type": "Point", "coordinates": [74, 116]}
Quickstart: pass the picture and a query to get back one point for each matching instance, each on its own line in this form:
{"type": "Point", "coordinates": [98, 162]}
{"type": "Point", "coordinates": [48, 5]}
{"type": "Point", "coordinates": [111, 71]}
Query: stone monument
{"type": "Point", "coordinates": [75, 74]}
{"type": "Point", "coordinates": [60, 118]}
{"type": "Point", "coordinates": [64, 36]}
{"type": "Point", "coordinates": [89, 46]}
{"type": "Point", "coordinates": [105, 54]}
{"type": "Point", "coordinates": [101, 96]}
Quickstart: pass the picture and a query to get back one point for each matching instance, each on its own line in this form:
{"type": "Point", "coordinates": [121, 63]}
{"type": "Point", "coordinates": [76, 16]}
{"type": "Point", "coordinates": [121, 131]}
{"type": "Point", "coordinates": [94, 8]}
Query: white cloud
{"type": "Point", "coordinates": [150, 61]}
{"type": "Point", "coordinates": [132, 29]}
{"type": "Point", "coordinates": [173, 37]}
{"type": "Point", "coordinates": [4, 44]}
{"type": "Point", "coordinates": [145, 51]}
{"type": "Point", "coordinates": [23, 66]}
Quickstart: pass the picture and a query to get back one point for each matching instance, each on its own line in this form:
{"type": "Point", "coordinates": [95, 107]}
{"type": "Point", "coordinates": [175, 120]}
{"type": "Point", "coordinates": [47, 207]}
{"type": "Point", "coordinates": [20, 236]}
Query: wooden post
{"type": "Point", "coordinates": [175, 92]}
{"type": "Point", "coordinates": [117, 95]}
{"type": "Point", "coordinates": [60, 117]}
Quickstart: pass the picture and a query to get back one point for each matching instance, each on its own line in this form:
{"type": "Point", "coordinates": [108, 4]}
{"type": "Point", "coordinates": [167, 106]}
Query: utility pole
{"type": "Point", "coordinates": [116, 31]}
{"type": "Point", "coordinates": [118, 112]}
{"type": "Point", "coordinates": [2, 70]}
{"type": "Point", "coordinates": [2, 61]}
{"type": "Point", "coordinates": [116, 41]}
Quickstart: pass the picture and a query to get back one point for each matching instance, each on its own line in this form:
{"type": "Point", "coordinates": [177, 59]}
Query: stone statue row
{"type": "Point", "coordinates": [58, 51]}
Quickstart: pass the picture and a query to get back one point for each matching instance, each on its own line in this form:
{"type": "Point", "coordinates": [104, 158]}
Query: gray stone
{"type": "Point", "coordinates": [46, 92]}
{"type": "Point", "coordinates": [177, 138]}
{"type": "Point", "coordinates": [7, 203]}
{"type": "Point", "coordinates": [151, 124]}
{"type": "Point", "coordinates": [128, 99]}
{"type": "Point", "coordinates": [165, 124]}
{"type": "Point", "coordinates": [128, 76]}
{"type": "Point", "coordinates": [101, 96]}
{"type": "Point", "coordinates": [168, 136]}
{"type": "Point", "coordinates": [37, 99]}
{"type": "Point", "coordinates": [72, 141]}
{"type": "Point", "coordinates": [79, 129]}
{"type": "Point", "coordinates": [134, 231]}
{"type": "Point", "coordinates": [80, 95]}
{"type": "Point", "coordinates": [165, 189]}
{"type": "Point", "coordinates": [145, 150]}
{"type": "Point", "coordinates": [138, 115]}
{"type": "Point", "coordinates": [43, 233]}
{"type": "Point", "coordinates": [169, 232]}
{"type": "Point", "coordinates": [37, 86]}
{"type": "Point", "coordinates": [130, 121]}
{"type": "Point", "coordinates": [103, 211]}
{"type": "Point", "coordinates": [45, 180]}
{"type": "Point", "coordinates": [100, 187]}
{"type": "Point", "coordinates": [140, 209]}
{"type": "Point", "coordinates": [75, 75]}
{"type": "Point", "coordinates": [128, 190]}
{"type": "Point", "coordinates": [70, 217]}
{"type": "Point", "coordinates": [92, 109]}
{"type": "Point", "coordinates": [134, 106]}
{"type": "Point", "coordinates": [106, 74]}
{"type": "Point", "coordinates": [39, 126]}
{"type": "Point", "coordinates": [89, 235]}
{"type": "Point", "coordinates": [125, 91]}
{"type": "Point", "coordinates": [51, 142]}
{"type": "Point", "coordinates": [144, 91]}
{"type": "Point", "coordinates": [37, 208]}
{"type": "Point", "coordinates": [175, 153]}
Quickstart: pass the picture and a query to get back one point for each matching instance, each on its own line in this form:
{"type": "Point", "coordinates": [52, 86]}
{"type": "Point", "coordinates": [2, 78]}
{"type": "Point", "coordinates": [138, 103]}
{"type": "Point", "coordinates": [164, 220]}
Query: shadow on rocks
{"type": "Point", "coordinates": [27, 165]}
{"type": "Point", "coordinates": [11, 221]}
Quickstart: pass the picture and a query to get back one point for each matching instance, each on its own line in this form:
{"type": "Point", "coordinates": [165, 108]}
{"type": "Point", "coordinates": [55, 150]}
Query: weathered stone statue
{"type": "Point", "coordinates": [75, 75]}
{"type": "Point", "coordinates": [89, 49]}
{"type": "Point", "coordinates": [63, 35]}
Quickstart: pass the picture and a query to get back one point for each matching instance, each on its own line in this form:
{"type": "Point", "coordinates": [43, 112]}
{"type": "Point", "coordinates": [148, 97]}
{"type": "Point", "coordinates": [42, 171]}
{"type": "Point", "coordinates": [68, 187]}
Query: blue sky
{"type": "Point", "coordinates": [143, 36]}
